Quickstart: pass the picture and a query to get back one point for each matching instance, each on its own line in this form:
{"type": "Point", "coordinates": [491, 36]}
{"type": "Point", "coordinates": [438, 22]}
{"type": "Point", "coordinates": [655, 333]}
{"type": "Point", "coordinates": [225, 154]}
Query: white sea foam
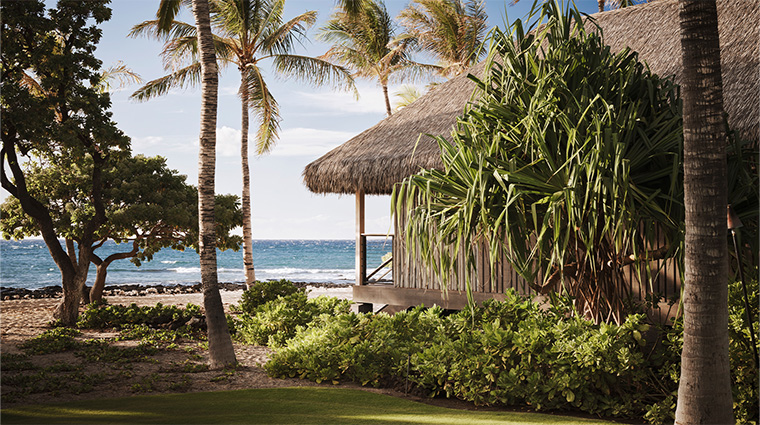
{"type": "Point", "coordinates": [169, 262]}
{"type": "Point", "coordinates": [185, 270]}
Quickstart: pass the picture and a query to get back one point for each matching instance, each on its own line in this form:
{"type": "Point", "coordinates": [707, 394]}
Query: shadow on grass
{"type": "Point", "coordinates": [268, 406]}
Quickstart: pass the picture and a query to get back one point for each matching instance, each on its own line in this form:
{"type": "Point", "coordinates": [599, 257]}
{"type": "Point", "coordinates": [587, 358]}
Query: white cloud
{"type": "Point", "coordinates": [229, 90]}
{"type": "Point", "coordinates": [371, 101]}
{"type": "Point", "coordinates": [140, 143]}
{"type": "Point", "coordinates": [309, 141]}
{"type": "Point", "coordinates": [228, 141]}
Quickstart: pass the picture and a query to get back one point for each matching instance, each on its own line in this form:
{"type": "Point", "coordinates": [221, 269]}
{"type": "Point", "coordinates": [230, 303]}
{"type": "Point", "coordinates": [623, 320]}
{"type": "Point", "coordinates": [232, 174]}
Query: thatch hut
{"type": "Point", "coordinates": [378, 158]}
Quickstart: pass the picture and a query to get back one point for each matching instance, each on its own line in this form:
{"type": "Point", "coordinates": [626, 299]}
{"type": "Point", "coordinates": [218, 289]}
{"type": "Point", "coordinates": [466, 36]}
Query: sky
{"type": "Point", "coordinates": [314, 121]}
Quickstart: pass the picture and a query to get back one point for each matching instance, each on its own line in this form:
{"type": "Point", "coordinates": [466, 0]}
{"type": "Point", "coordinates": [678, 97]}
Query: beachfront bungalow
{"type": "Point", "coordinates": [375, 160]}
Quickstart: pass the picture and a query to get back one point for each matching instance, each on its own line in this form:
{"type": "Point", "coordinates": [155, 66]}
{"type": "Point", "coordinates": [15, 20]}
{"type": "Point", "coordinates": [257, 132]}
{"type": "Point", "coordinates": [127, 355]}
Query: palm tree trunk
{"type": "Point", "coordinates": [704, 391]}
{"type": "Point", "coordinates": [387, 100]}
{"type": "Point", "coordinates": [221, 352]}
{"type": "Point", "coordinates": [250, 274]}
{"type": "Point", "coordinates": [601, 5]}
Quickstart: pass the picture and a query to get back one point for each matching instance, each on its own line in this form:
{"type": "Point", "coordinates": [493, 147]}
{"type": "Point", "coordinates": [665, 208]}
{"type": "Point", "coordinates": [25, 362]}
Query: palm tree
{"type": "Point", "coordinates": [451, 30]}
{"type": "Point", "coordinates": [221, 351]}
{"type": "Point", "coordinates": [704, 390]}
{"type": "Point", "coordinates": [362, 39]}
{"type": "Point", "coordinates": [248, 33]}
{"type": "Point", "coordinates": [406, 95]}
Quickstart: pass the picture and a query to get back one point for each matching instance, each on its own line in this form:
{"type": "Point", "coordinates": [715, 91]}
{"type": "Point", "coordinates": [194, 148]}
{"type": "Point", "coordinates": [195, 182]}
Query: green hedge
{"type": "Point", "coordinates": [276, 321]}
{"type": "Point", "coordinates": [515, 353]}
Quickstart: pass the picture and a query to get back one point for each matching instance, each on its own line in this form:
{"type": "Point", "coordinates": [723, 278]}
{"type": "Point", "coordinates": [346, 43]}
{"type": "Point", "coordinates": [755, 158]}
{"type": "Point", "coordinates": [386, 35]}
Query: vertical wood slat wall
{"type": "Point", "coordinates": [413, 273]}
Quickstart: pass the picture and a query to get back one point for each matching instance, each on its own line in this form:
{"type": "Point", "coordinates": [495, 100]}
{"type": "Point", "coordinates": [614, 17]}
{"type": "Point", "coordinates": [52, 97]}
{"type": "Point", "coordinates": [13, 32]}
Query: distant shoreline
{"type": "Point", "coordinates": [55, 291]}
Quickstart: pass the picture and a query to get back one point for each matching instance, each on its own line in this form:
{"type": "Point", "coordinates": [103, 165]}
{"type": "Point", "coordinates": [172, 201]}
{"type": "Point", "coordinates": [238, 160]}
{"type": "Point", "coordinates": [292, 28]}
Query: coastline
{"type": "Point", "coordinates": [138, 290]}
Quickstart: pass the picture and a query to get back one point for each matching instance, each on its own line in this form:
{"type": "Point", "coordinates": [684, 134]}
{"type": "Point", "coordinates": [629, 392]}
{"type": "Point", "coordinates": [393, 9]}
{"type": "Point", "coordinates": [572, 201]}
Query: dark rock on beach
{"type": "Point", "coordinates": [7, 293]}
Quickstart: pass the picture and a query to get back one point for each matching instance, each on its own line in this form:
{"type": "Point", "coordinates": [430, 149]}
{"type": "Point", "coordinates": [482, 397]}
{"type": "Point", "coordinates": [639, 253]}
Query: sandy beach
{"type": "Point", "coordinates": [22, 319]}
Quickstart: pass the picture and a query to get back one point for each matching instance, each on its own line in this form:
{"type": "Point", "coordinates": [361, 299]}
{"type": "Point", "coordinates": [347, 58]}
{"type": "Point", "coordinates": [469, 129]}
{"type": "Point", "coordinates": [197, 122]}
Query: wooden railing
{"type": "Point", "coordinates": [365, 278]}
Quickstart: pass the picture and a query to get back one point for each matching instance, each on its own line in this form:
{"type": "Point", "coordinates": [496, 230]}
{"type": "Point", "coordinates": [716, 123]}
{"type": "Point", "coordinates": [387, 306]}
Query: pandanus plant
{"type": "Point", "coordinates": [567, 164]}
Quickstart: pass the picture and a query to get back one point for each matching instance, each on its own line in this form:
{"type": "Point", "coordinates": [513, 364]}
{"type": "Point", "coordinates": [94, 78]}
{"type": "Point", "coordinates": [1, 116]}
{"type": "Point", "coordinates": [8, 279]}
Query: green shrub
{"type": "Point", "coordinates": [103, 351]}
{"type": "Point", "coordinates": [55, 340]}
{"type": "Point", "coordinates": [276, 321]}
{"type": "Point", "coordinates": [261, 293]}
{"type": "Point", "coordinates": [103, 316]}
{"type": "Point", "coordinates": [156, 337]}
{"type": "Point", "coordinates": [369, 349]}
{"type": "Point", "coordinates": [514, 352]}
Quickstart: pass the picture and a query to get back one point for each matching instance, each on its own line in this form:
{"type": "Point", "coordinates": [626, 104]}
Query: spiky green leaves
{"type": "Point", "coordinates": [568, 164]}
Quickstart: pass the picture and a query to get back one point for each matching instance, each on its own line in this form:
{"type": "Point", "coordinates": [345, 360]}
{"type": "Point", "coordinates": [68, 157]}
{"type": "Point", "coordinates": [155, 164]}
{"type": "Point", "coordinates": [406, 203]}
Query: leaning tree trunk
{"type": "Point", "coordinates": [221, 351]}
{"type": "Point", "coordinates": [101, 271]}
{"type": "Point", "coordinates": [704, 391]}
{"type": "Point", "coordinates": [250, 274]}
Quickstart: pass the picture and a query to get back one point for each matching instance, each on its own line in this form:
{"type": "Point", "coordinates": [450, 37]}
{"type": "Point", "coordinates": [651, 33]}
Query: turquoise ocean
{"type": "Point", "coordinates": [28, 264]}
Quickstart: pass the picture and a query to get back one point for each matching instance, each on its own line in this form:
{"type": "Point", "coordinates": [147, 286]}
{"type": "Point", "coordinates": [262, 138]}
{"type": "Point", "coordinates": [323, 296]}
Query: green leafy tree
{"type": "Point", "coordinates": [362, 34]}
{"type": "Point", "coordinates": [69, 123]}
{"type": "Point", "coordinates": [148, 207]}
{"type": "Point", "coordinates": [450, 30]}
{"type": "Point", "coordinates": [248, 34]}
{"type": "Point", "coordinates": [567, 165]}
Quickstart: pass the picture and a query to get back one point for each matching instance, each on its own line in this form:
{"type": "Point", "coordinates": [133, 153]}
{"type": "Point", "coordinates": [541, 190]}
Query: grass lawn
{"type": "Point", "coordinates": [268, 406]}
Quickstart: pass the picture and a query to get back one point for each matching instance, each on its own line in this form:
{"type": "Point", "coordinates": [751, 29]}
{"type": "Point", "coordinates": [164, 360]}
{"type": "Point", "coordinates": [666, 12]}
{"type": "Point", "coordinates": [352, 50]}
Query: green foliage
{"type": "Point", "coordinates": [514, 353]}
{"type": "Point", "coordinates": [276, 321]}
{"type": "Point", "coordinates": [262, 292]}
{"type": "Point", "coordinates": [104, 316]}
{"type": "Point", "coordinates": [744, 373]}
{"type": "Point", "coordinates": [10, 362]}
{"type": "Point", "coordinates": [159, 337]}
{"type": "Point", "coordinates": [568, 158]}
{"type": "Point", "coordinates": [452, 31]}
{"type": "Point", "coordinates": [517, 354]}
{"type": "Point", "coordinates": [369, 349]}
{"type": "Point", "coordinates": [55, 340]}
{"type": "Point", "coordinates": [146, 384]}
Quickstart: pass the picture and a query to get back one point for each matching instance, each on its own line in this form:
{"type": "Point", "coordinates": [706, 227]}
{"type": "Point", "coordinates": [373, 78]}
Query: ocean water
{"type": "Point", "coordinates": [28, 264]}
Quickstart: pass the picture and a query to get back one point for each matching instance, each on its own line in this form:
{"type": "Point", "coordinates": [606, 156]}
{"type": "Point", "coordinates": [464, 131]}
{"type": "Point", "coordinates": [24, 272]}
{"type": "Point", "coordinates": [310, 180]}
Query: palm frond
{"type": "Point", "coordinates": [120, 73]}
{"type": "Point", "coordinates": [451, 30]}
{"type": "Point", "coordinates": [315, 71]}
{"type": "Point", "coordinates": [187, 76]}
{"type": "Point", "coordinates": [283, 39]}
{"type": "Point", "coordinates": [152, 29]}
{"type": "Point", "coordinates": [406, 95]}
{"type": "Point", "coordinates": [265, 108]}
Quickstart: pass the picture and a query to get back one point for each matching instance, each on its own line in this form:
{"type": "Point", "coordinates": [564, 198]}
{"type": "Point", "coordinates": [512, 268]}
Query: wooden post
{"type": "Point", "coordinates": [361, 258]}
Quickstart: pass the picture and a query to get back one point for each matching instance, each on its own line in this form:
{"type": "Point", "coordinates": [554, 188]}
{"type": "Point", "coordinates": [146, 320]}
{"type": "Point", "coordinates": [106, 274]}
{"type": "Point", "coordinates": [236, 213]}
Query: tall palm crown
{"type": "Point", "coordinates": [451, 30]}
{"type": "Point", "coordinates": [247, 33]}
{"type": "Point", "coordinates": [362, 41]}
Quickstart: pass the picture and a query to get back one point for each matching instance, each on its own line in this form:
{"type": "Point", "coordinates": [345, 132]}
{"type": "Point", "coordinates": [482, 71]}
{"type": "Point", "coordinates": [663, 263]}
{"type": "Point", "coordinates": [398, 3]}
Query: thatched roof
{"type": "Point", "coordinates": [381, 156]}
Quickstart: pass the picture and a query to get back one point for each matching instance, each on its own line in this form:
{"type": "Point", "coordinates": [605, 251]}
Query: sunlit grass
{"type": "Point", "coordinates": [269, 406]}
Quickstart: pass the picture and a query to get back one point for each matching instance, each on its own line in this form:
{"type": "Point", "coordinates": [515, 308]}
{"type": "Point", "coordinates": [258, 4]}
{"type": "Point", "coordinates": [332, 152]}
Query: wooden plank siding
{"type": "Point", "coordinates": [412, 273]}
